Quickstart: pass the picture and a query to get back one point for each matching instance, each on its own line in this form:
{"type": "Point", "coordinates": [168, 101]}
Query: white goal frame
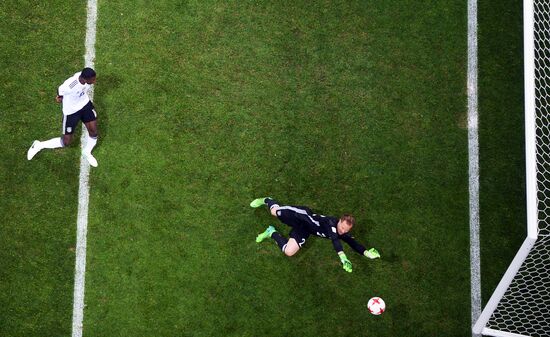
{"type": "Point", "coordinates": [480, 327]}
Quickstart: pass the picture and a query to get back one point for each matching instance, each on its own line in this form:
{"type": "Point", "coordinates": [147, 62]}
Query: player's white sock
{"type": "Point", "coordinates": [90, 144]}
{"type": "Point", "coordinates": [53, 143]}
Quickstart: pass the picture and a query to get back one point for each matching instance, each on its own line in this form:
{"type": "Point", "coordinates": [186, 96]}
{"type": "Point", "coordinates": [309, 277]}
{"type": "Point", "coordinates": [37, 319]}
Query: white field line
{"type": "Point", "coordinates": [473, 154]}
{"type": "Point", "coordinates": [84, 188]}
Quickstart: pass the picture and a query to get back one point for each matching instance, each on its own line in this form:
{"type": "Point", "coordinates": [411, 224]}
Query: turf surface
{"type": "Point", "coordinates": [342, 106]}
{"type": "Point", "coordinates": [41, 46]}
{"type": "Point", "coordinates": [502, 150]}
{"type": "Point", "coordinates": [222, 103]}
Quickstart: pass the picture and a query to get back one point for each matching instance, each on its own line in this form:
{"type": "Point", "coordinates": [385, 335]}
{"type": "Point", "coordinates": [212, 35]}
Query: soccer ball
{"type": "Point", "coordinates": [376, 305]}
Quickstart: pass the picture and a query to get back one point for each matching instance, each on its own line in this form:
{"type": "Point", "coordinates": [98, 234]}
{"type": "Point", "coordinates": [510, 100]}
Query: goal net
{"type": "Point", "coordinates": [520, 305]}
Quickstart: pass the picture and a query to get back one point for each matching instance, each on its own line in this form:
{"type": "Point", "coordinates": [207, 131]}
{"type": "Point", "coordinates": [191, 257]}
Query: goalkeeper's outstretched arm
{"type": "Point", "coordinates": [359, 248]}
{"type": "Point", "coordinates": [346, 264]}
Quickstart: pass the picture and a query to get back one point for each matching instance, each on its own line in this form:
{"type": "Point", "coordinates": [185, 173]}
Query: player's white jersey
{"type": "Point", "coordinates": [75, 95]}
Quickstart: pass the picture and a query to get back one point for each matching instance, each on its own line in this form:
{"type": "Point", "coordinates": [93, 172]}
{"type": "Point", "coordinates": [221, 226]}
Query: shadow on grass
{"type": "Point", "coordinates": [107, 83]}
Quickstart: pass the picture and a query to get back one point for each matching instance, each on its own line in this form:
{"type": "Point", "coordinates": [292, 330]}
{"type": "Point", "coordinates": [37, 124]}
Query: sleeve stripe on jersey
{"type": "Point", "coordinates": [73, 84]}
{"type": "Point", "coordinates": [300, 211]}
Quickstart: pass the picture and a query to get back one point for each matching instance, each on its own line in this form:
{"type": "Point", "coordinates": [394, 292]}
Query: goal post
{"type": "Point", "coordinates": [520, 304]}
{"type": "Point", "coordinates": [498, 294]}
{"type": "Point", "coordinates": [530, 117]}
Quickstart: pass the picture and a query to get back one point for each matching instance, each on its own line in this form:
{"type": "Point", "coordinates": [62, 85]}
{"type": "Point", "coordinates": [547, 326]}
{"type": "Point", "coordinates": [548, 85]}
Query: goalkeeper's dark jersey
{"type": "Point", "coordinates": [317, 224]}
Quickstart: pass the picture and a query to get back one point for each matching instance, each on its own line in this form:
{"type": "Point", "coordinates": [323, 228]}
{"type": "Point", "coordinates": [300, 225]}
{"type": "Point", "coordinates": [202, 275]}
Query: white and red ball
{"type": "Point", "coordinates": [376, 305]}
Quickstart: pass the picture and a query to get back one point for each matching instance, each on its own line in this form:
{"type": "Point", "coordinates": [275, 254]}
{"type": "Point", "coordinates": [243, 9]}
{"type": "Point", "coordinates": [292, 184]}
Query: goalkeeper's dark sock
{"type": "Point", "coordinates": [281, 240]}
{"type": "Point", "coordinates": [270, 202]}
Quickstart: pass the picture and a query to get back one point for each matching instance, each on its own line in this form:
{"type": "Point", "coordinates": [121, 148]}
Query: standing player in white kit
{"type": "Point", "coordinates": [73, 94]}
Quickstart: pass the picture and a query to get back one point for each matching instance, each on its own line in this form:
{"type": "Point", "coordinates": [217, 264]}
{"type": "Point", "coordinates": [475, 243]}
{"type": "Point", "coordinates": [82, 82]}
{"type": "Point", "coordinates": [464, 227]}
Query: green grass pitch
{"type": "Point", "coordinates": [344, 106]}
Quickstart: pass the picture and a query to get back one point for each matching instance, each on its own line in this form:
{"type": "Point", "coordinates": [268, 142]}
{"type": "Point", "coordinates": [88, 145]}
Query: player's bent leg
{"type": "Point", "coordinates": [53, 143]}
{"type": "Point", "coordinates": [270, 202]}
{"type": "Point", "coordinates": [67, 139]}
{"type": "Point", "coordinates": [90, 158]}
{"type": "Point", "coordinates": [281, 241]}
{"type": "Point", "coordinates": [91, 126]}
{"type": "Point", "coordinates": [258, 202]}
{"type": "Point", "coordinates": [274, 210]}
{"type": "Point", "coordinates": [292, 247]}
{"type": "Point", "coordinates": [266, 234]}
{"type": "Point", "coordinates": [91, 142]}
{"type": "Point", "coordinates": [287, 246]}
{"type": "Point", "coordinates": [36, 146]}
{"type": "Point", "coordinates": [33, 150]}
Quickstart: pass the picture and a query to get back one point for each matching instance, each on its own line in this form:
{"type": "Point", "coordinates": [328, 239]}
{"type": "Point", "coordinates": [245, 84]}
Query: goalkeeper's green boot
{"type": "Point", "coordinates": [266, 234]}
{"type": "Point", "coordinates": [257, 202]}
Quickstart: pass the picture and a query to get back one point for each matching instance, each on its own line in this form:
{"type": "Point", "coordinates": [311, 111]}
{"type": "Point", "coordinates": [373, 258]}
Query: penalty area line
{"type": "Point", "coordinates": [84, 187]}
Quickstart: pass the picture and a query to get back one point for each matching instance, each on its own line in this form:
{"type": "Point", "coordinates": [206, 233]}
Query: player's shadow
{"type": "Point", "coordinates": [105, 85]}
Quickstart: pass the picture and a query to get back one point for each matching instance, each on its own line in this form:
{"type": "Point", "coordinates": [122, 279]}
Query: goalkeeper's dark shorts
{"type": "Point", "coordinates": [299, 234]}
{"type": "Point", "coordinates": [293, 217]}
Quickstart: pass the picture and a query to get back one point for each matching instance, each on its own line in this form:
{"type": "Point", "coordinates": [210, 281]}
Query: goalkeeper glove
{"type": "Point", "coordinates": [346, 264]}
{"type": "Point", "coordinates": [372, 253]}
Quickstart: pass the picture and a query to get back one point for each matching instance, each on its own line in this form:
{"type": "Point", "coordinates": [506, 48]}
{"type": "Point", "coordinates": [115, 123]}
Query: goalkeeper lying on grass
{"type": "Point", "coordinates": [304, 223]}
